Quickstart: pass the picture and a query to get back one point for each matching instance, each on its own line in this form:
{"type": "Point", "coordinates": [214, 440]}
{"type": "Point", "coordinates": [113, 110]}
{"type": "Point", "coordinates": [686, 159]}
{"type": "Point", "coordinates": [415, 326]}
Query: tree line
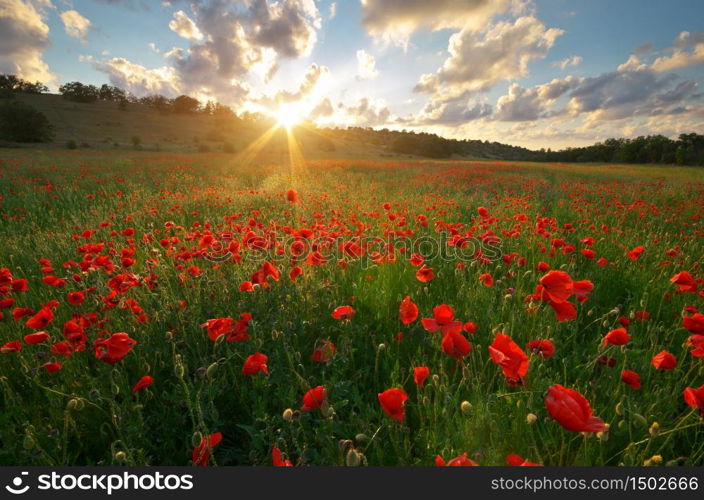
{"type": "Point", "coordinates": [687, 149]}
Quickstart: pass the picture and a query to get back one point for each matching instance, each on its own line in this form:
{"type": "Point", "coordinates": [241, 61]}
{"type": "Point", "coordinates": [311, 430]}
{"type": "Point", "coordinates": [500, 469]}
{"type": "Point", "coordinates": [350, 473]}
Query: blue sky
{"type": "Point", "coordinates": [502, 81]}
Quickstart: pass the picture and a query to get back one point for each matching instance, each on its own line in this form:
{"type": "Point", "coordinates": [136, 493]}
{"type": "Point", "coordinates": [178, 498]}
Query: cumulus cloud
{"type": "Point", "coordinates": [312, 76]}
{"type": "Point", "coordinates": [229, 43]}
{"type": "Point", "coordinates": [75, 25]}
{"type": "Point", "coordinates": [236, 39]}
{"type": "Point", "coordinates": [332, 10]}
{"type": "Point", "coordinates": [138, 79]}
{"type": "Point", "coordinates": [521, 104]}
{"type": "Point", "coordinates": [323, 109]}
{"type": "Point", "coordinates": [366, 66]}
{"type": "Point", "coordinates": [184, 26]}
{"type": "Point", "coordinates": [450, 113]}
{"type": "Point", "coordinates": [570, 61]}
{"type": "Point", "coordinates": [395, 20]}
{"type": "Point", "coordinates": [687, 51]}
{"type": "Point", "coordinates": [366, 112]}
{"type": "Point", "coordinates": [24, 38]}
{"type": "Point", "coordinates": [478, 61]}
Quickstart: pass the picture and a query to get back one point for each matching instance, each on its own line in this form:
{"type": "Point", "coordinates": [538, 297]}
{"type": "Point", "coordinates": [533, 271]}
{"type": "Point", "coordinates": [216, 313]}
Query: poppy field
{"type": "Point", "coordinates": [163, 309]}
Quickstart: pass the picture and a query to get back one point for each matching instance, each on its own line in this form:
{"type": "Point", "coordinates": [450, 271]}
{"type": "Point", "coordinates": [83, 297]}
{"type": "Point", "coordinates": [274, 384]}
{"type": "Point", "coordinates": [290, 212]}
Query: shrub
{"type": "Point", "coordinates": [20, 122]}
{"type": "Point", "coordinates": [71, 144]}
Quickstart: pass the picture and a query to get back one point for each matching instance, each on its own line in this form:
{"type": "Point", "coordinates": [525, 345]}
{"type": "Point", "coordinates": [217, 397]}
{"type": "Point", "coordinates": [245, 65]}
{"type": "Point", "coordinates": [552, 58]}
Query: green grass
{"type": "Point", "coordinates": [86, 414]}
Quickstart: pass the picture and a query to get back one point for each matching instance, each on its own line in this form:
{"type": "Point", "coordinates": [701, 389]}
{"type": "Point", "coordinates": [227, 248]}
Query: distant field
{"type": "Point", "coordinates": [228, 308]}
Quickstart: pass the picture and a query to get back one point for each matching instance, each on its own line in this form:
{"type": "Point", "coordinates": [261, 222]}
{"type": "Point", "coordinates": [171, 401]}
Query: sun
{"type": "Point", "coordinates": [287, 116]}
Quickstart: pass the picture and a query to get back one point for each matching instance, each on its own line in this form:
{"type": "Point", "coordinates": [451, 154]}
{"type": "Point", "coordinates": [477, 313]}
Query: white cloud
{"type": "Point", "coordinates": [184, 26]}
{"type": "Point", "coordinates": [138, 79]}
{"type": "Point", "coordinates": [366, 66]}
{"type": "Point", "coordinates": [24, 38]}
{"type": "Point", "coordinates": [76, 25]}
{"type": "Point", "coordinates": [570, 61]}
{"type": "Point", "coordinates": [688, 51]}
{"type": "Point", "coordinates": [395, 20]}
{"type": "Point", "coordinates": [332, 10]}
{"type": "Point", "coordinates": [478, 61]}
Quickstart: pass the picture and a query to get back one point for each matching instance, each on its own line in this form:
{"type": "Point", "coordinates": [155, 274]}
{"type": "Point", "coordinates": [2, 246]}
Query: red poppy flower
{"type": "Point", "coordinates": [443, 319]}
{"type": "Point", "coordinates": [416, 260]}
{"type": "Point", "coordinates": [696, 341]}
{"type": "Point", "coordinates": [685, 281]}
{"type": "Point", "coordinates": [455, 344]}
{"type": "Point", "coordinates": [41, 320]}
{"type": "Point", "coordinates": [511, 358]}
{"type": "Point", "coordinates": [292, 195]}
{"type": "Point", "coordinates": [36, 338]}
{"type": "Point", "coordinates": [695, 398]}
{"type": "Point", "coordinates": [571, 410]}
{"type": "Point", "coordinates": [143, 383]}
{"type": "Point", "coordinates": [255, 363]}
{"type": "Point", "coordinates": [543, 348]}
{"type": "Point", "coordinates": [516, 460]}
{"type": "Point", "coordinates": [425, 274]}
{"type": "Point", "coordinates": [12, 346]}
{"type": "Point", "coordinates": [76, 298]}
{"type": "Point", "coordinates": [277, 460]}
{"type": "Point", "coordinates": [460, 461]}
{"type": "Point", "coordinates": [694, 323]}
{"type": "Point", "coordinates": [408, 311]}
{"type": "Point", "coordinates": [314, 398]}
{"type": "Point", "coordinates": [564, 311]}
{"type": "Point", "coordinates": [635, 253]}
{"type": "Point", "coordinates": [234, 330]}
{"type": "Point", "coordinates": [201, 453]}
{"type": "Point", "coordinates": [392, 401]}
{"type": "Point", "coordinates": [51, 367]}
{"type": "Point", "coordinates": [619, 336]}
{"type": "Point", "coordinates": [582, 289]}
{"type": "Point", "coordinates": [664, 361]}
{"type": "Point", "coordinates": [420, 373]}
{"type": "Point", "coordinates": [486, 279]}
{"type": "Point", "coordinates": [631, 379]}
{"type": "Point", "coordinates": [295, 273]}
{"type": "Point", "coordinates": [324, 352]}
{"type": "Point", "coordinates": [343, 313]}
{"type": "Point", "coordinates": [114, 348]}
{"type": "Point", "coordinates": [557, 286]}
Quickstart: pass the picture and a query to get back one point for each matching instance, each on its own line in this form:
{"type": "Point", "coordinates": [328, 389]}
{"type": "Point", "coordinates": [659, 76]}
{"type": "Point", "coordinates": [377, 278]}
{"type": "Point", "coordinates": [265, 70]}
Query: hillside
{"type": "Point", "coordinates": [103, 125]}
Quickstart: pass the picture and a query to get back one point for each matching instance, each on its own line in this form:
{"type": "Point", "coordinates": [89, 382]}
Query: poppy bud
{"type": "Point", "coordinates": [345, 444]}
{"type": "Point", "coordinates": [465, 407]}
{"type": "Point", "coordinates": [288, 415]}
{"type": "Point", "coordinates": [621, 424]}
{"type": "Point", "coordinates": [361, 438]}
{"type": "Point", "coordinates": [196, 439]}
{"type": "Point", "coordinates": [121, 456]}
{"type": "Point", "coordinates": [531, 418]}
{"type": "Point", "coordinates": [71, 405]}
{"type": "Point", "coordinates": [426, 401]}
{"type": "Point", "coordinates": [381, 347]}
{"type": "Point", "coordinates": [210, 372]}
{"type": "Point", "coordinates": [640, 419]}
{"type": "Point", "coordinates": [654, 429]}
{"type": "Point", "coordinates": [28, 442]}
{"type": "Point", "coordinates": [436, 380]}
{"type": "Point", "coordinates": [353, 459]}
{"type": "Point", "coordinates": [619, 408]}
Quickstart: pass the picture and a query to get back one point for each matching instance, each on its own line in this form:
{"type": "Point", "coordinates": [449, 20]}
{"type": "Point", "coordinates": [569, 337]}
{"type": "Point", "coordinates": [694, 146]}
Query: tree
{"type": "Point", "coordinates": [78, 92]}
{"type": "Point", "coordinates": [15, 84]}
{"type": "Point", "coordinates": [110, 93]}
{"type": "Point", "coordinates": [186, 104]}
{"type": "Point", "coordinates": [20, 122]}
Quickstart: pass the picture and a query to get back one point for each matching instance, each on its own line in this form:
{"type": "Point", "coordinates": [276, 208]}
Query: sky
{"type": "Point", "coordinates": [534, 73]}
